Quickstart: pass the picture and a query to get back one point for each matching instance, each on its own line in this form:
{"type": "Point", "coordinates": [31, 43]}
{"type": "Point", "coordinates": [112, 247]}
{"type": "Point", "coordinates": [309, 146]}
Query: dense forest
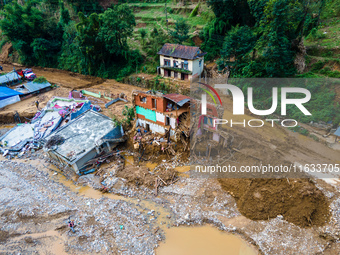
{"type": "Point", "coordinates": [249, 38]}
{"type": "Point", "coordinates": [262, 37]}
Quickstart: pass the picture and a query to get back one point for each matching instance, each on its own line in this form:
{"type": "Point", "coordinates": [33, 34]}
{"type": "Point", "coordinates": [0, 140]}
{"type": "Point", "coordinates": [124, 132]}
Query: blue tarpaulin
{"type": "Point", "coordinates": [7, 92]}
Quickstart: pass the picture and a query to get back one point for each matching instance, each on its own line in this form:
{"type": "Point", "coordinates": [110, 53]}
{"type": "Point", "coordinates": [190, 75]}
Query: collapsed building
{"type": "Point", "coordinates": [205, 137]}
{"type": "Point", "coordinates": [70, 130]}
{"type": "Point", "coordinates": [82, 139]}
{"type": "Point", "coordinates": [162, 114]}
{"type": "Point", "coordinates": [10, 79]}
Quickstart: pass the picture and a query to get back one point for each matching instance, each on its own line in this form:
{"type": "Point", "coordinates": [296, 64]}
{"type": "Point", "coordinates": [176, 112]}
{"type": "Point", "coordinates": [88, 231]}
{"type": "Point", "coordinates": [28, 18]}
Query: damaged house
{"type": "Point", "coordinates": [161, 114]}
{"type": "Point", "coordinates": [204, 132]}
{"type": "Point", "coordinates": [180, 61]}
{"type": "Point", "coordinates": [82, 139]}
{"type": "Point", "coordinates": [10, 79]}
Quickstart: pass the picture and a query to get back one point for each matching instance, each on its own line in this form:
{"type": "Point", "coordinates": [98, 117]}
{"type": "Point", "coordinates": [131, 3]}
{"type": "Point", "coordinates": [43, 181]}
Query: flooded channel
{"type": "Point", "coordinates": [202, 240]}
{"type": "Point", "coordinates": [196, 240]}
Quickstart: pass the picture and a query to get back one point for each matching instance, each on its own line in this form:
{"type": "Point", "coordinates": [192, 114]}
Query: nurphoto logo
{"type": "Point", "coordinates": [239, 102]}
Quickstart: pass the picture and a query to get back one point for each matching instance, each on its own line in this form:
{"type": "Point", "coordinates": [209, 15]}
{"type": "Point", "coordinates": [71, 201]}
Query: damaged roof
{"type": "Point", "coordinates": [181, 51]}
{"type": "Point", "coordinates": [9, 77]}
{"type": "Point", "coordinates": [16, 138]}
{"type": "Point", "coordinates": [83, 134]}
{"type": "Point", "coordinates": [177, 98]}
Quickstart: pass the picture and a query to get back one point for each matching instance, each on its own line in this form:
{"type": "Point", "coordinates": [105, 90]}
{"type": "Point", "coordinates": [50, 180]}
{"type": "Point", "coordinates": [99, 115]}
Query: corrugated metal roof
{"type": "Point", "coordinates": [178, 98]}
{"type": "Point", "coordinates": [337, 132]}
{"type": "Point", "coordinates": [7, 92]}
{"type": "Point", "coordinates": [9, 77]}
{"type": "Point", "coordinates": [33, 86]}
{"type": "Point", "coordinates": [180, 51]}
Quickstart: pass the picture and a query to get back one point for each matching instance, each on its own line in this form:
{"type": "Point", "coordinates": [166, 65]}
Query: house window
{"type": "Point", "coordinates": [175, 74]}
{"type": "Point", "coordinates": [143, 99]}
{"type": "Point", "coordinates": [200, 63]}
{"type": "Point", "coordinates": [175, 63]}
{"type": "Point", "coordinates": [167, 62]}
{"type": "Point", "coordinates": [167, 121]}
{"type": "Point", "coordinates": [154, 103]}
{"type": "Point", "coordinates": [185, 66]}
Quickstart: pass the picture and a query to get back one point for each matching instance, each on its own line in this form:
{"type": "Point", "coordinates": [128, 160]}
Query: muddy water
{"type": "Point", "coordinates": [202, 240]}
{"type": "Point", "coordinates": [179, 240]}
{"type": "Point", "coordinates": [142, 205]}
{"type": "Point", "coordinates": [54, 242]}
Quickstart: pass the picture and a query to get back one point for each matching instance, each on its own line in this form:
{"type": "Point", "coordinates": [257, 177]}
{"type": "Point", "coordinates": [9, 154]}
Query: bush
{"type": "Point", "coordinates": [194, 11]}
{"type": "Point", "coordinates": [300, 130]}
{"type": "Point", "coordinates": [117, 122]}
{"type": "Point", "coordinates": [318, 66]}
{"type": "Point", "coordinates": [315, 34]}
{"type": "Point", "coordinates": [40, 79]}
{"type": "Point", "coordinates": [129, 114]}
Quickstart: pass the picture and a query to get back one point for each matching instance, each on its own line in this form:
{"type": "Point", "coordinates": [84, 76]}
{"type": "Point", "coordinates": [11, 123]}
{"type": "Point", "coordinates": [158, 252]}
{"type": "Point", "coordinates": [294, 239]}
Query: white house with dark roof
{"type": "Point", "coordinates": [180, 61]}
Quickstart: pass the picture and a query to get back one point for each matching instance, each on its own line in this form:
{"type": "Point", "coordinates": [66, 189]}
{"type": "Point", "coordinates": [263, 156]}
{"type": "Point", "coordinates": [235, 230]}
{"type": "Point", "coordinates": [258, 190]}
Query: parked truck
{"type": "Point", "coordinates": [27, 74]}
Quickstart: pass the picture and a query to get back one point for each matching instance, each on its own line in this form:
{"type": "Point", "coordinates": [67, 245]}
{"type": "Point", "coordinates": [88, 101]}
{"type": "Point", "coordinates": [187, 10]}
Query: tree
{"type": "Point", "coordinates": [181, 32]}
{"type": "Point", "coordinates": [117, 25]}
{"type": "Point", "coordinates": [238, 44]}
{"type": "Point", "coordinates": [21, 25]}
{"type": "Point", "coordinates": [272, 35]}
{"type": "Point", "coordinates": [98, 45]}
{"type": "Point", "coordinates": [142, 35]}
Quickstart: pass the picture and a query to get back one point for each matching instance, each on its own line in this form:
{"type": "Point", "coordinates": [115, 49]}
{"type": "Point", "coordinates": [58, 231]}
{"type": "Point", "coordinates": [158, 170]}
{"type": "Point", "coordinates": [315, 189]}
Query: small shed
{"type": "Point", "coordinates": [8, 96]}
{"type": "Point", "coordinates": [33, 87]}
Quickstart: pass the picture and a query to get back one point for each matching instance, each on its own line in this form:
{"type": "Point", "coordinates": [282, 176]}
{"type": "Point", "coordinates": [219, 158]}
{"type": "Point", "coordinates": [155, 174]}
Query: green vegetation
{"type": "Point", "coordinates": [128, 113]}
{"type": "Point", "coordinates": [300, 130]}
{"type": "Point", "coordinates": [40, 79]}
{"type": "Point", "coordinates": [251, 38]}
{"type": "Point", "coordinates": [181, 31]}
{"type": "Point", "coordinates": [323, 105]}
{"type": "Point", "coordinates": [94, 44]}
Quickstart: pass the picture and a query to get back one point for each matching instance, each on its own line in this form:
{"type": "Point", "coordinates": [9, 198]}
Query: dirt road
{"type": "Point", "coordinates": [67, 81]}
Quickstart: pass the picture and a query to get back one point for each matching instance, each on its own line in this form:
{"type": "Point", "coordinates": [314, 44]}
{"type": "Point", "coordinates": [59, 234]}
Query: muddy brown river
{"type": "Point", "coordinates": [202, 240]}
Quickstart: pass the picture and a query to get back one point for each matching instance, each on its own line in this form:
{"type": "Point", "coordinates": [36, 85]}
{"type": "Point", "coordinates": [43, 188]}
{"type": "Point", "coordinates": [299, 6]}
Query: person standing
{"type": "Point", "coordinates": [71, 225]}
{"type": "Point", "coordinates": [37, 104]}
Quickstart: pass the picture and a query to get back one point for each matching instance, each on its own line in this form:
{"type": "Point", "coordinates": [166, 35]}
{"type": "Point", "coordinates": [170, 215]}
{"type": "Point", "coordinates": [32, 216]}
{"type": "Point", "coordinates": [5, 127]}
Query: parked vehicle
{"type": "Point", "coordinates": [27, 74]}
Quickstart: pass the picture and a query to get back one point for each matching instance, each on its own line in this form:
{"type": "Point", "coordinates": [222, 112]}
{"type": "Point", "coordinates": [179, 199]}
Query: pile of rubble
{"type": "Point", "coordinates": [29, 136]}
{"type": "Point", "coordinates": [147, 142]}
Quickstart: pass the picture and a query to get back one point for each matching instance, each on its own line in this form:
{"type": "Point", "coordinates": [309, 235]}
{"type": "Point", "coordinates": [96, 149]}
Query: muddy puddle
{"type": "Point", "coordinates": [202, 240]}
{"type": "Point", "coordinates": [53, 240]}
{"type": "Point", "coordinates": [178, 240]}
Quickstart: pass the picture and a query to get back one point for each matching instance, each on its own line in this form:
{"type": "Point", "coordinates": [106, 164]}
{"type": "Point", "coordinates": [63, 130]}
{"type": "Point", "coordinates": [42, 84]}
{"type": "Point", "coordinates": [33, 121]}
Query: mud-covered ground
{"type": "Point", "coordinates": [66, 81]}
{"type": "Point", "coordinates": [286, 216]}
{"type": "Point", "coordinates": [37, 203]}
